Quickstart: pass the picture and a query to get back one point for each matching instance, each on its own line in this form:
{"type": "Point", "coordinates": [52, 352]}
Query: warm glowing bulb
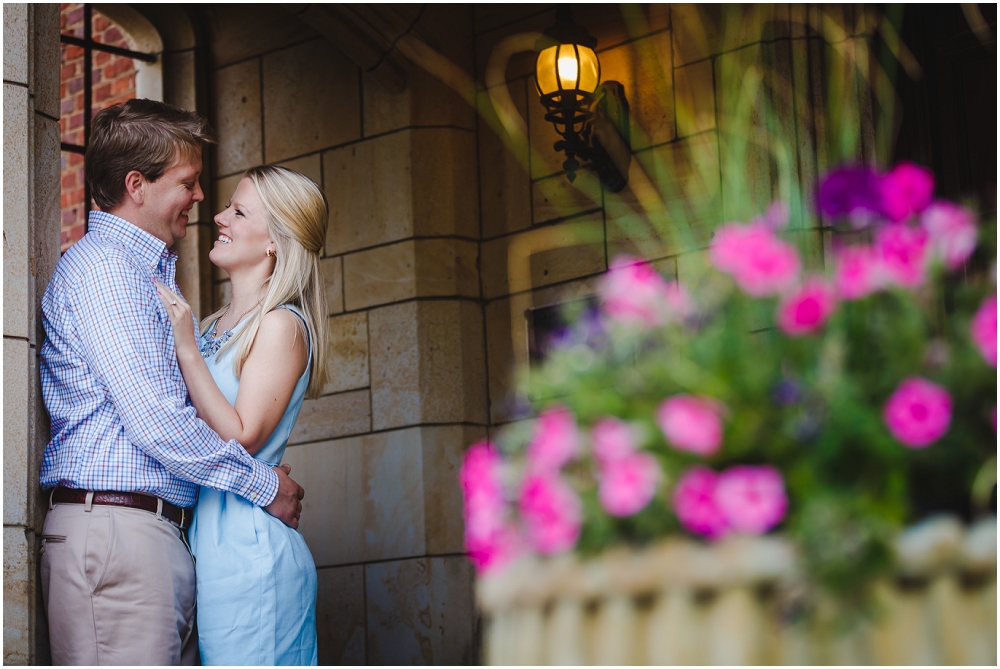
{"type": "Point", "coordinates": [568, 69]}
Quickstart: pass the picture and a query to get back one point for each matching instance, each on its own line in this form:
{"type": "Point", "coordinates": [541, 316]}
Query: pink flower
{"type": "Point", "coordinates": [490, 541]}
{"type": "Point", "coordinates": [902, 253]}
{"type": "Point", "coordinates": [953, 232]}
{"type": "Point", "coordinates": [613, 440]}
{"type": "Point", "coordinates": [555, 440]}
{"type": "Point", "coordinates": [776, 217]}
{"type": "Point", "coordinates": [691, 424]}
{"type": "Point", "coordinates": [752, 499]}
{"type": "Point", "coordinates": [633, 292]}
{"type": "Point", "coordinates": [695, 503]}
{"type": "Point", "coordinates": [806, 310]}
{"type": "Point", "coordinates": [628, 484]}
{"type": "Point", "coordinates": [552, 513]}
{"type": "Point", "coordinates": [857, 272]}
{"type": "Point", "coordinates": [677, 301]}
{"type": "Point", "coordinates": [918, 413]}
{"type": "Point", "coordinates": [983, 329]}
{"type": "Point", "coordinates": [906, 190]}
{"type": "Point", "coordinates": [760, 263]}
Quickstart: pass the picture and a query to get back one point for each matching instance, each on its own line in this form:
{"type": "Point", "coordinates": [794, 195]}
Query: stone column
{"type": "Point", "coordinates": [30, 252]}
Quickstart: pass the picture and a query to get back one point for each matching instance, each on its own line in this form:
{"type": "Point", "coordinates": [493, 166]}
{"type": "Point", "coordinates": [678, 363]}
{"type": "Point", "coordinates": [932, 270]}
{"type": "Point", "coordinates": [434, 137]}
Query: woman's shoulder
{"type": "Point", "coordinates": [281, 324]}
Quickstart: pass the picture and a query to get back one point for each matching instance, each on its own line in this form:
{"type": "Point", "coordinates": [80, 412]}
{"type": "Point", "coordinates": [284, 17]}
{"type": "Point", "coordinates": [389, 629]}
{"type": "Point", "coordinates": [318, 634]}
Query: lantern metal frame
{"type": "Point", "coordinates": [575, 112]}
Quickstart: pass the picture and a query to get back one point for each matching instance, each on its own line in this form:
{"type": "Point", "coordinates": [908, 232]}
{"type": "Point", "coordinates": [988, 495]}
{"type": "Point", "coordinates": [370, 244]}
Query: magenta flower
{"type": "Point", "coordinates": [696, 506]}
{"type": "Point", "coordinates": [555, 440]}
{"type": "Point", "coordinates": [902, 253]}
{"type": "Point", "coordinates": [851, 192]}
{"type": "Point", "coordinates": [552, 513]}
{"type": "Point", "coordinates": [907, 190]}
{"type": "Point", "coordinates": [752, 499]}
{"type": "Point", "coordinates": [691, 423]}
{"type": "Point", "coordinates": [953, 232]}
{"type": "Point", "coordinates": [983, 329]}
{"type": "Point", "coordinates": [627, 485]}
{"type": "Point", "coordinates": [489, 539]}
{"type": "Point", "coordinates": [857, 272]}
{"type": "Point", "coordinates": [918, 413]}
{"type": "Point", "coordinates": [613, 440]}
{"type": "Point", "coordinates": [760, 263]}
{"type": "Point", "coordinates": [806, 310]}
{"type": "Point", "coordinates": [632, 292]}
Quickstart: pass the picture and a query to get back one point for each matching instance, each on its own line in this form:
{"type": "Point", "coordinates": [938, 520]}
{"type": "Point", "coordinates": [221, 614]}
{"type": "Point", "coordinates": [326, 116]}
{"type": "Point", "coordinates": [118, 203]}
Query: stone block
{"type": "Point", "coordinates": [16, 207]}
{"type": "Point", "coordinates": [427, 364]}
{"type": "Point", "coordinates": [333, 416]}
{"type": "Point", "coordinates": [241, 32]}
{"type": "Point", "coordinates": [223, 193]}
{"type": "Point", "coordinates": [15, 46]}
{"type": "Point", "coordinates": [644, 68]}
{"type": "Point", "coordinates": [194, 269]}
{"type": "Point", "coordinates": [413, 268]}
{"type": "Point", "coordinates": [556, 198]}
{"type": "Point", "coordinates": [420, 611]}
{"type": "Point", "coordinates": [238, 118]}
{"type": "Point", "coordinates": [340, 616]}
{"type": "Point", "coordinates": [364, 497]}
{"type": "Point", "coordinates": [222, 293]}
{"type": "Point", "coordinates": [178, 75]}
{"type": "Point", "coordinates": [443, 450]}
{"type": "Point", "coordinates": [810, 244]}
{"type": "Point", "coordinates": [487, 17]}
{"type": "Point", "coordinates": [412, 182]}
{"type": "Point", "coordinates": [333, 279]}
{"type": "Point", "coordinates": [18, 592]}
{"type": "Point", "coordinates": [695, 86]}
{"type": "Point", "coordinates": [347, 352]}
{"type": "Point", "coordinates": [311, 100]}
{"type": "Point", "coordinates": [17, 408]}
{"type": "Point", "coordinates": [544, 256]}
{"type": "Point", "coordinates": [310, 165]}
{"type": "Point", "coordinates": [521, 63]}
{"type": "Point", "coordinates": [702, 30]}
{"type": "Point", "coordinates": [45, 68]}
{"type": "Point", "coordinates": [672, 201]}
{"type": "Point", "coordinates": [502, 335]}
{"type": "Point", "coordinates": [503, 168]}
{"type": "Point", "coordinates": [426, 101]}
{"type": "Point", "coordinates": [46, 216]}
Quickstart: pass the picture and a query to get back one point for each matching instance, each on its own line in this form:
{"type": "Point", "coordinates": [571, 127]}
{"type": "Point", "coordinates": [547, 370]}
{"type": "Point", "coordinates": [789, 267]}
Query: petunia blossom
{"type": "Point", "coordinates": [490, 540]}
{"type": "Point", "coordinates": [555, 440]}
{"type": "Point", "coordinates": [857, 272]}
{"type": "Point", "coordinates": [627, 485]}
{"type": "Point", "coordinates": [729, 241]}
{"type": "Point", "coordinates": [690, 423]}
{"type": "Point", "coordinates": [918, 413]}
{"type": "Point", "coordinates": [752, 499]}
{"type": "Point", "coordinates": [632, 292]}
{"type": "Point", "coordinates": [902, 253]}
{"type": "Point", "coordinates": [952, 230]}
{"type": "Point", "coordinates": [983, 329]}
{"type": "Point", "coordinates": [906, 191]}
{"type": "Point", "coordinates": [613, 440]}
{"type": "Point", "coordinates": [806, 310]}
{"type": "Point", "coordinates": [760, 263]}
{"type": "Point", "coordinates": [695, 503]}
{"type": "Point", "coordinates": [552, 513]}
{"type": "Point", "coordinates": [851, 192]}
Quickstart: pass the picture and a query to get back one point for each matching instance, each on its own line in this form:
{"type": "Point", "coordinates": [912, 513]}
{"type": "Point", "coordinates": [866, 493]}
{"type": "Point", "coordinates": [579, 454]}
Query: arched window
{"type": "Point", "coordinates": [121, 52]}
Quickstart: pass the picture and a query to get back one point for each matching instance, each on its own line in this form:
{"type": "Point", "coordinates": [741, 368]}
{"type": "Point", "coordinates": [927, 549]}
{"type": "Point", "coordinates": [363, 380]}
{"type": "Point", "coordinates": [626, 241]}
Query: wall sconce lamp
{"type": "Point", "coordinates": [592, 117]}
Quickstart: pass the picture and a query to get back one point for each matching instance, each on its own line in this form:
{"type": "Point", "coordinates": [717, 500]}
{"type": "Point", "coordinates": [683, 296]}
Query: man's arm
{"type": "Point", "coordinates": [124, 340]}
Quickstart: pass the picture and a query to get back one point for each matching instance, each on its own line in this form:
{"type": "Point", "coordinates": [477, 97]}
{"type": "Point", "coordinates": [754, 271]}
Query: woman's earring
{"type": "Point", "coordinates": [270, 253]}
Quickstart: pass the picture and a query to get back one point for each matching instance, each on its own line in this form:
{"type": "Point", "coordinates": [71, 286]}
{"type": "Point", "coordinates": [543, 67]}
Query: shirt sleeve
{"type": "Point", "coordinates": [127, 341]}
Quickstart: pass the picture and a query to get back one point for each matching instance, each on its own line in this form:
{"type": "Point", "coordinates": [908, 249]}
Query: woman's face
{"type": "Point", "coordinates": [243, 239]}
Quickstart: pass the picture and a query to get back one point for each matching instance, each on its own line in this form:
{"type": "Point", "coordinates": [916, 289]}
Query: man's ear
{"type": "Point", "coordinates": [135, 186]}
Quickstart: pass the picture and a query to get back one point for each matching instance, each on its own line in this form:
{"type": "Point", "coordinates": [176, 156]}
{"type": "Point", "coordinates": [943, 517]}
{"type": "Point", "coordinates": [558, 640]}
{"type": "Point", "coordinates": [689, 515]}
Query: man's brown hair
{"type": "Point", "coordinates": [143, 135]}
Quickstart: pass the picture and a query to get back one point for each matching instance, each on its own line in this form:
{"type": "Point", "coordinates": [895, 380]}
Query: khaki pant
{"type": "Point", "coordinates": [119, 587]}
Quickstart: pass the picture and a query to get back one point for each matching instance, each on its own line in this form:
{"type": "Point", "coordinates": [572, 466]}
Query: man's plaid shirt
{"type": "Point", "coordinates": [121, 419]}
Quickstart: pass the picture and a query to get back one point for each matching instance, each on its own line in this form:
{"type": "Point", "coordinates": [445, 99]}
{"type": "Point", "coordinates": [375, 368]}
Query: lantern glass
{"type": "Point", "coordinates": [567, 67]}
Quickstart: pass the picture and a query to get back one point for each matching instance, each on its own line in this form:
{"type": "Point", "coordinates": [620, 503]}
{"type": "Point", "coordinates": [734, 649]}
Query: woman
{"type": "Point", "coordinates": [256, 359]}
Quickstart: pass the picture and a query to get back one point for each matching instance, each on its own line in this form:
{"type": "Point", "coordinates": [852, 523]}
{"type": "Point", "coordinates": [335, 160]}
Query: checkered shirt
{"type": "Point", "coordinates": [121, 418]}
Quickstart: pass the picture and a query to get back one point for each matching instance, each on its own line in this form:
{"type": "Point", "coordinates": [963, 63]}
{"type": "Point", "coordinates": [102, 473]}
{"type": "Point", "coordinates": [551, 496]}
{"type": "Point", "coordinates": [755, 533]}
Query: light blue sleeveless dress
{"type": "Point", "coordinates": [256, 576]}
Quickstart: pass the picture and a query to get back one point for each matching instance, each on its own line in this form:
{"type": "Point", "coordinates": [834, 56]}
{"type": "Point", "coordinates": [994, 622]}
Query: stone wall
{"type": "Point", "coordinates": [30, 252]}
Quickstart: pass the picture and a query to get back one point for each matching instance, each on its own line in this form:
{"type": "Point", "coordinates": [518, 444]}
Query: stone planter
{"type": "Point", "coordinates": [740, 602]}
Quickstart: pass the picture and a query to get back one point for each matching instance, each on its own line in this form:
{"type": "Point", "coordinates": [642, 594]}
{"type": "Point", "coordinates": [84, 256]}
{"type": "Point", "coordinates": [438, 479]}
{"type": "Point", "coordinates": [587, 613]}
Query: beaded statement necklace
{"type": "Point", "coordinates": [211, 343]}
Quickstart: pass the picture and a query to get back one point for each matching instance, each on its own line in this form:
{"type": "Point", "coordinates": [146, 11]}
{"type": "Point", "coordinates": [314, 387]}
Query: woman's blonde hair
{"type": "Point", "coordinates": [297, 215]}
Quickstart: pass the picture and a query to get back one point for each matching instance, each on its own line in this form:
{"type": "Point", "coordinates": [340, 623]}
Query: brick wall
{"type": "Point", "coordinates": [113, 80]}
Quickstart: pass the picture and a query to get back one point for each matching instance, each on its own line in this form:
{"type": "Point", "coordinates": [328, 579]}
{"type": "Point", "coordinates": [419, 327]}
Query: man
{"type": "Point", "coordinates": [127, 450]}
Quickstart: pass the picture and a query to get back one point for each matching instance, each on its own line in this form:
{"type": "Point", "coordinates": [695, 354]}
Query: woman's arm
{"type": "Point", "coordinates": [277, 359]}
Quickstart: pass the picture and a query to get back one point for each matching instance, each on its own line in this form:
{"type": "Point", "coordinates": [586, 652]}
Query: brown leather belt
{"type": "Point", "coordinates": [132, 500]}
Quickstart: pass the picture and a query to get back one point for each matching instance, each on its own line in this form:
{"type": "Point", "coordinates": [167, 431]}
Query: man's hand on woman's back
{"type": "Point", "coordinates": [287, 504]}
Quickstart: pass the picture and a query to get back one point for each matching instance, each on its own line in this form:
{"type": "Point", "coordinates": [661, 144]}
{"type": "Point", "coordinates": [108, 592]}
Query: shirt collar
{"type": "Point", "coordinates": [146, 247]}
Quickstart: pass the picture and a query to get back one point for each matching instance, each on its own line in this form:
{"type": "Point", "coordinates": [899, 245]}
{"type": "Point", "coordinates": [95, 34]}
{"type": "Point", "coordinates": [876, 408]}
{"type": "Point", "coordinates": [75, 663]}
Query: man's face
{"type": "Point", "coordinates": [168, 200]}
